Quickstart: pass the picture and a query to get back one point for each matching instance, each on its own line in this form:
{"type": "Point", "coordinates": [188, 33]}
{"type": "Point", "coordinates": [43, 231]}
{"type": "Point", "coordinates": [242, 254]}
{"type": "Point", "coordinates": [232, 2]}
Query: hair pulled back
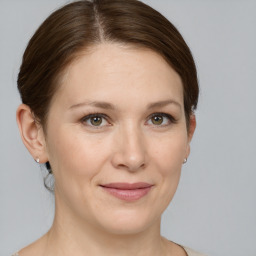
{"type": "Point", "coordinates": [81, 24]}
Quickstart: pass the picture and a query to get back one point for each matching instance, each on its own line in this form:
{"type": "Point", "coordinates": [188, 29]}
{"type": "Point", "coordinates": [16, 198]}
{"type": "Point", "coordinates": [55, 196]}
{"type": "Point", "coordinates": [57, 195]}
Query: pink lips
{"type": "Point", "coordinates": [128, 191]}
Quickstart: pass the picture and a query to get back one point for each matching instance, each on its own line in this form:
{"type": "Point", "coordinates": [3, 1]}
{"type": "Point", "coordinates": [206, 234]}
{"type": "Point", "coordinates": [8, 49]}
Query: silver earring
{"type": "Point", "coordinates": [185, 160]}
{"type": "Point", "coordinates": [37, 160]}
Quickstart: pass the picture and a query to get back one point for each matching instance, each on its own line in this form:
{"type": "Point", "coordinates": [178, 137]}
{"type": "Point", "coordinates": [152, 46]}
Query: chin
{"type": "Point", "coordinates": [129, 222]}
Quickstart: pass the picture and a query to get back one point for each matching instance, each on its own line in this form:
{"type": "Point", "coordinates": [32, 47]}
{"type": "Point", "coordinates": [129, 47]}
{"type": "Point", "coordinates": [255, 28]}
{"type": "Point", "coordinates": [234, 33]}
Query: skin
{"type": "Point", "coordinates": [127, 144]}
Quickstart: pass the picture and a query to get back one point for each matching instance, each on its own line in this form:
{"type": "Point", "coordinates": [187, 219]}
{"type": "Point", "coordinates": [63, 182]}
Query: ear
{"type": "Point", "coordinates": [31, 133]}
{"type": "Point", "coordinates": [191, 130]}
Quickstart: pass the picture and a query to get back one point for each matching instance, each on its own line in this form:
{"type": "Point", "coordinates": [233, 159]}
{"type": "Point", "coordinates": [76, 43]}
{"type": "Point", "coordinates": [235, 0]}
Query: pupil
{"type": "Point", "coordinates": [157, 120]}
{"type": "Point", "coordinates": [96, 121]}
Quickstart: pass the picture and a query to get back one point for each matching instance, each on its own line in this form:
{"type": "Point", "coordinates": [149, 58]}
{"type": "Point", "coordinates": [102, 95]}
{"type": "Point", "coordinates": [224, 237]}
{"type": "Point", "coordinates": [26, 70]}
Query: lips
{"type": "Point", "coordinates": [128, 191]}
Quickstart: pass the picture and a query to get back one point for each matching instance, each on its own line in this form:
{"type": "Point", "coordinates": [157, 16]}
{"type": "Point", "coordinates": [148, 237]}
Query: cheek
{"type": "Point", "coordinates": [169, 156]}
{"type": "Point", "coordinates": [76, 160]}
{"type": "Point", "coordinates": [75, 155]}
{"type": "Point", "coordinates": [170, 153]}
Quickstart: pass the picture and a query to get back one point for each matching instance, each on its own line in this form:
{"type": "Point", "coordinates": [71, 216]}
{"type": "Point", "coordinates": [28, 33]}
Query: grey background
{"type": "Point", "coordinates": [214, 210]}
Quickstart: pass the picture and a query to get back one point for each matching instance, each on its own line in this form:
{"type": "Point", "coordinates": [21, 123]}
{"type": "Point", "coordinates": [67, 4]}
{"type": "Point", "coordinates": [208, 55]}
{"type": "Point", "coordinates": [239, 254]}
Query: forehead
{"type": "Point", "coordinates": [124, 70]}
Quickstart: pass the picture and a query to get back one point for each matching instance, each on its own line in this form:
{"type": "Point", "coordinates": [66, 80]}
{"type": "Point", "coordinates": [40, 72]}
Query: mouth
{"type": "Point", "coordinates": [128, 191]}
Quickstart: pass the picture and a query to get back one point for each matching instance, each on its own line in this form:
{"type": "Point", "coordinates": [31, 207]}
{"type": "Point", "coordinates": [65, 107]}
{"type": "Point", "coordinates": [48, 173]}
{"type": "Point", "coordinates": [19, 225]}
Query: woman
{"type": "Point", "coordinates": [109, 90]}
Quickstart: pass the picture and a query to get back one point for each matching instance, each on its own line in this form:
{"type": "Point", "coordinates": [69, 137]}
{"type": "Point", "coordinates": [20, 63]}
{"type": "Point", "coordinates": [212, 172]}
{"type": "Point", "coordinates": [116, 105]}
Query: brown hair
{"type": "Point", "coordinates": [81, 24]}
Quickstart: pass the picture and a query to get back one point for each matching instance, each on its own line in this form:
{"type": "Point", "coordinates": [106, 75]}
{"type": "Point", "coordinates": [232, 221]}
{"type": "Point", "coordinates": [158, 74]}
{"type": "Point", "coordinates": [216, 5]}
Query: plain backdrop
{"type": "Point", "coordinates": [214, 209]}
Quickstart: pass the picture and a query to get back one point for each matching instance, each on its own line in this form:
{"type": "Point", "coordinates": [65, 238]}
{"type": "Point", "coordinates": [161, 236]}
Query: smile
{"type": "Point", "coordinates": [127, 191]}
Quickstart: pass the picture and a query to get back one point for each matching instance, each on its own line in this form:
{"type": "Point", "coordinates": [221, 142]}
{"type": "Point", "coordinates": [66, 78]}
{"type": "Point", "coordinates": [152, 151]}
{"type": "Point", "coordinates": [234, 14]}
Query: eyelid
{"type": "Point", "coordinates": [170, 117]}
{"type": "Point", "coordinates": [96, 114]}
{"type": "Point", "coordinates": [87, 116]}
{"type": "Point", "coordinates": [108, 120]}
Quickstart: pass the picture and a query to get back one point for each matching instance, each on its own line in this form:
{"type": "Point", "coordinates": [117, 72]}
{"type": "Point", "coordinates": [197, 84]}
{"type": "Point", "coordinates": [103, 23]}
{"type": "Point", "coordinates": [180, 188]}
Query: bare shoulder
{"type": "Point", "coordinates": [191, 252]}
{"type": "Point", "coordinates": [174, 249]}
{"type": "Point", "coordinates": [36, 248]}
{"type": "Point", "coordinates": [178, 250]}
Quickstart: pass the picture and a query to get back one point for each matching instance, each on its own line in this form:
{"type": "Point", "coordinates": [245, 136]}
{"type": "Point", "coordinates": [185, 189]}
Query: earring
{"type": "Point", "coordinates": [37, 160]}
{"type": "Point", "coordinates": [185, 160]}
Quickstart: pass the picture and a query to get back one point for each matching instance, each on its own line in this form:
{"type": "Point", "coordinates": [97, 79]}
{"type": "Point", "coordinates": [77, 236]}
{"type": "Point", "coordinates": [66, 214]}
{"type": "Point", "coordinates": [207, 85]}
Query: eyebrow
{"type": "Point", "coordinates": [163, 103]}
{"type": "Point", "coordinates": [98, 104]}
{"type": "Point", "coordinates": [109, 106]}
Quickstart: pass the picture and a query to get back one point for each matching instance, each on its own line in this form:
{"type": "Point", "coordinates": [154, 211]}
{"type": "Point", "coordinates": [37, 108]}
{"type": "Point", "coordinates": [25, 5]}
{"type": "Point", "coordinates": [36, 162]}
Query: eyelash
{"type": "Point", "coordinates": [171, 119]}
{"type": "Point", "coordinates": [88, 117]}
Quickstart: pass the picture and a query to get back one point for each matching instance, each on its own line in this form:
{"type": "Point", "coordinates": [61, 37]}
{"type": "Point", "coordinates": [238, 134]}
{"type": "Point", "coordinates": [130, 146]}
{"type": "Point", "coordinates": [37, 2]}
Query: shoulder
{"type": "Point", "coordinates": [191, 252]}
{"type": "Point", "coordinates": [36, 248]}
{"type": "Point", "coordinates": [180, 250]}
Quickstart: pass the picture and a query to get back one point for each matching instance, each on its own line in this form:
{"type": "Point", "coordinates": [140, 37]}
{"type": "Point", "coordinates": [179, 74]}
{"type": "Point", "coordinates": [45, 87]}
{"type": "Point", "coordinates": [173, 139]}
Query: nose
{"type": "Point", "coordinates": [129, 150]}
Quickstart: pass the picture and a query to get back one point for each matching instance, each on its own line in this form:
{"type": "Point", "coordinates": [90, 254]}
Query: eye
{"type": "Point", "coordinates": [161, 119]}
{"type": "Point", "coordinates": [95, 120]}
{"type": "Point", "coordinates": [157, 120]}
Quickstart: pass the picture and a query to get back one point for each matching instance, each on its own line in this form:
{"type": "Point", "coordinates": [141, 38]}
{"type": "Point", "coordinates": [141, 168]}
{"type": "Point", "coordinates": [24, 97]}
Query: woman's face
{"type": "Point", "coordinates": [116, 138]}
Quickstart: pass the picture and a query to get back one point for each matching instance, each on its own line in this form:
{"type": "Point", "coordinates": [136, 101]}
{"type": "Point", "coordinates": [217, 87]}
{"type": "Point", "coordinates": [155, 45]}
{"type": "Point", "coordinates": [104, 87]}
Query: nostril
{"type": "Point", "coordinates": [131, 166]}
